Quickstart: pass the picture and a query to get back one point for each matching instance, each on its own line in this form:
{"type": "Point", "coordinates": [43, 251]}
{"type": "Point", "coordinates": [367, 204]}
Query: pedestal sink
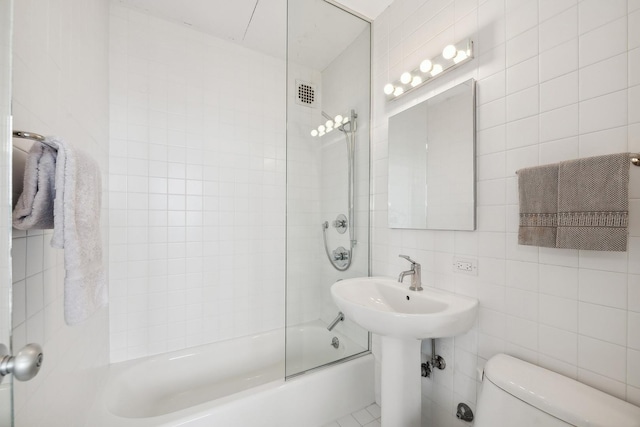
{"type": "Point", "coordinates": [402, 318]}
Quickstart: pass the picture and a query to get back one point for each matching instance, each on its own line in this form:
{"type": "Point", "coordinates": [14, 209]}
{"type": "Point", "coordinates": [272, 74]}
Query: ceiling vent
{"type": "Point", "coordinates": [306, 94]}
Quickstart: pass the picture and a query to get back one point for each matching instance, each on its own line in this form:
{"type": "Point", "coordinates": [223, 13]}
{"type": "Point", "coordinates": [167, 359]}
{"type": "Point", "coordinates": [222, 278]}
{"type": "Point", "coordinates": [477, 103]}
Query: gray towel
{"type": "Point", "coordinates": [593, 203]}
{"type": "Point", "coordinates": [538, 196]}
{"type": "Point", "coordinates": [77, 229]}
{"type": "Point", "coordinates": [34, 209]}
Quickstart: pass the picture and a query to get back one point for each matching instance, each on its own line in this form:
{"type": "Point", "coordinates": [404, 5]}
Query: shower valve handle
{"type": "Point", "coordinates": [340, 223]}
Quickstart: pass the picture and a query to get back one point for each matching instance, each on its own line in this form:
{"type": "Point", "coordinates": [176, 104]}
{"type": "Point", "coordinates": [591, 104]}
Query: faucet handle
{"type": "Point", "coordinates": [408, 259]}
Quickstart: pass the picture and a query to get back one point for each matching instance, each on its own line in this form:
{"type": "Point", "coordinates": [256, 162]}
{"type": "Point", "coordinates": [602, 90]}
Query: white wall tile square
{"type": "Point", "coordinates": [604, 323]}
{"type": "Point", "coordinates": [522, 47]}
{"type": "Point", "coordinates": [559, 344]}
{"type": "Point", "coordinates": [603, 77]}
{"type": "Point", "coordinates": [604, 112]}
{"type": "Point", "coordinates": [592, 351]}
{"type": "Point", "coordinates": [559, 60]}
{"type": "Point", "coordinates": [603, 42]}
{"type": "Point", "coordinates": [559, 92]}
{"type": "Point", "coordinates": [603, 287]}
{"type": "Point", "coordinates": [559, 29]}
{"type": "Point", "coordinates": [594, 13]}
{"type": "Point", "coordinates": [559, 123]}
{"type": "Point", "coordinates": [561, 313]}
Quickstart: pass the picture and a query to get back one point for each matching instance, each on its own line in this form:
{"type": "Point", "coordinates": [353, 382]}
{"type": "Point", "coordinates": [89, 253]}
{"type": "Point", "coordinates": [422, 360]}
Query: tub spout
{"type": "Point", "coordinates": [339, 318]}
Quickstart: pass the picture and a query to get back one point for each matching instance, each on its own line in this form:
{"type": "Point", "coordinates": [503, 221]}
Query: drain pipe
{"type": "Point", "coordinates": [339, 318]}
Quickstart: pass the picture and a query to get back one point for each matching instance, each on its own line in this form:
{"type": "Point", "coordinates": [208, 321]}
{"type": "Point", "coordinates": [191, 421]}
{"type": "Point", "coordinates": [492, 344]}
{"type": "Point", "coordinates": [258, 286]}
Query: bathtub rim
{"type": "Point", "coordinates": [101, 416]}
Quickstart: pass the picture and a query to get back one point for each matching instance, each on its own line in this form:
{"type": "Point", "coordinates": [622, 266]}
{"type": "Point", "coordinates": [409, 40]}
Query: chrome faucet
{"type": "Point", "coordinates": [415, 273]}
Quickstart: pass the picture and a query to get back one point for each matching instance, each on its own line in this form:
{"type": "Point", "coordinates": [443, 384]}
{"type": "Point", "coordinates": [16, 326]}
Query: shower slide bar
{"type": "Point", "coordinates": [32, 136]}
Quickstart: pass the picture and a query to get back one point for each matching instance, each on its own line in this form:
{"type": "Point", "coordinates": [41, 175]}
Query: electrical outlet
{"type": "Point", "coordinates": [465, 266]}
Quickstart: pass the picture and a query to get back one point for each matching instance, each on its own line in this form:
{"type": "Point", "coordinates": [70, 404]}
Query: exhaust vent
{"type": "Point", "coordinates": [306, 94]}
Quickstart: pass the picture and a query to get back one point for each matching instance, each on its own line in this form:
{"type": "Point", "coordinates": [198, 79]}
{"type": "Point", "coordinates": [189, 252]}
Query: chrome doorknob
{"type": "Point", "coordinates": [25, 365]}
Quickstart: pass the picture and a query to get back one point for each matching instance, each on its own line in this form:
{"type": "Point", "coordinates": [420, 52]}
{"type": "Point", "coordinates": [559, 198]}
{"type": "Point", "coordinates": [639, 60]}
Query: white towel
{"type": "Point", "coordinates": [77, 230]}
{"type": "Point", "coordinates": [34, 209]}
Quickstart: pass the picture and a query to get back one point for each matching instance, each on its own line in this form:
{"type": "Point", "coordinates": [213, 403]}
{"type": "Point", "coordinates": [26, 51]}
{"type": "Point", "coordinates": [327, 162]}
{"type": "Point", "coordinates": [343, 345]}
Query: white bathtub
{"type": "Point", "coordinates": [240, 383]}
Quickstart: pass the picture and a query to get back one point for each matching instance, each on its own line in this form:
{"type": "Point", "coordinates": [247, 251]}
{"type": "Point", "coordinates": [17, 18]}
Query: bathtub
{"type": "Point", "coordinates": [239, 382]}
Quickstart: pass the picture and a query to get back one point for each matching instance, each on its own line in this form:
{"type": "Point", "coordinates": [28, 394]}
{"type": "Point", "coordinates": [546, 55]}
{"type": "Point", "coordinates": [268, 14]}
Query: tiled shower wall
{"type": "Point", "coordinates": [197, 181]}
{"type": "Point", "coordinates": [317, 182]}
{"type": "Point", "coordinates": [60, 87]}
{"type": "Point", "coordinates": [346, 85]}
{"type": "Point", "coordinates": [557, 79]}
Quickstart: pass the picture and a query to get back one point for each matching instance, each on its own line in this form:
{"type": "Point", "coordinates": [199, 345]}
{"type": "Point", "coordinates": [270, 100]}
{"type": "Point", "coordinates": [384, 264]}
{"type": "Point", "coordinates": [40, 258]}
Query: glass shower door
{"type": "Point", "coordinates": [6, 415]}
{"type": "Point", "coordinates": [328, 114]}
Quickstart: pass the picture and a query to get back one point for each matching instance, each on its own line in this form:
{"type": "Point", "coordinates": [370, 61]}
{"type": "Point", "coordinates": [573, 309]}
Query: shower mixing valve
{"type": "Point", "coordinates": [341, 254]}
{"type": "Point", "coordinates": [340, 223]}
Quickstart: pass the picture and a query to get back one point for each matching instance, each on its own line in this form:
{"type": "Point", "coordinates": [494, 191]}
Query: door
{"type": "Point", "coordinates": [6, 418]}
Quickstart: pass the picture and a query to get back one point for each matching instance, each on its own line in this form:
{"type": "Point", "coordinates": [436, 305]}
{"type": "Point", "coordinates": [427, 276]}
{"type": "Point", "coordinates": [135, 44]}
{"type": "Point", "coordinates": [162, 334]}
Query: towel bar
{"type": "Point", "coordinates": [634, 157]}
{"type": "Point", "coordinates": [32, 136]}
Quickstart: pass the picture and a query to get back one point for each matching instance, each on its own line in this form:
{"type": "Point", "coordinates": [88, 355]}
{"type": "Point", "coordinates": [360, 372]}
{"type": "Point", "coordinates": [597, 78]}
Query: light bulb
{"type": "Point", "coordinates": [437, 69]}
{"type": "Point", "coordinates": [329, 130]}
{"type": "Point", "coordinates": [329, 123]}
{"type": "Point", "coordinates": [321, 129]}
{"type": "Point", "coordinates": [425, 66]}
{"type": "Point", "coordinates": [416, 81]}
{"type": "Point", "coordinates": [314, 133]}
{"type": "Point", "coordinates": [345, 120]}
{"type": "Point", "coordinates": [338, 119]}
{"type": "Point", "coordinates": [388, 90]}
{"type": "Point", "coordinates": [449, 51]}
{"type": "Point", "coordinates": [399, 91]}
{"type": "Point", "coordinates": [321, 133]}
{"type": "Point", "coordinates": [461, 56]}
{"type": "Point", "coordinates": [405, 77]}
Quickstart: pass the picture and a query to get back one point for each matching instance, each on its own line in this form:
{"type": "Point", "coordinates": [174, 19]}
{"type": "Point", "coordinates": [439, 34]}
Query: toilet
{"type": "Point", "coordinates": [518, 394]}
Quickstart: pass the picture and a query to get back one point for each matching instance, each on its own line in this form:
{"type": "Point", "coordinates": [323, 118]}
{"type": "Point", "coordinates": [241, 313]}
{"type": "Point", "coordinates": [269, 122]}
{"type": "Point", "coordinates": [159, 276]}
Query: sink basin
{"type": "Point", "coordinates": [402, 317]}
{"type": "Point", "coordinates": [386, 307]}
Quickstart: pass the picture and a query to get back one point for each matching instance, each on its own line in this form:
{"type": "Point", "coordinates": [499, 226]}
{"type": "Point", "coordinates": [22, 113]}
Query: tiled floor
{"type": "Point", "coordinates": [367, 417]}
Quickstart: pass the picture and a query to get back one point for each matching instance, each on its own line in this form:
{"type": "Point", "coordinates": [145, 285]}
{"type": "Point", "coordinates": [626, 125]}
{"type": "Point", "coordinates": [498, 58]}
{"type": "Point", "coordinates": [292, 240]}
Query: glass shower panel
{"type": "Point", "coordinates": [328, 122]}
{"type": "Point", "coordinates": [6, 416]}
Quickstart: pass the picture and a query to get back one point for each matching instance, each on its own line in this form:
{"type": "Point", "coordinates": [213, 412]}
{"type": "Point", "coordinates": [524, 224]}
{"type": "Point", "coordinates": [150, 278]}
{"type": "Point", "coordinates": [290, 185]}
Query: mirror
{"type": "Point", "coordinates": [432, 162]}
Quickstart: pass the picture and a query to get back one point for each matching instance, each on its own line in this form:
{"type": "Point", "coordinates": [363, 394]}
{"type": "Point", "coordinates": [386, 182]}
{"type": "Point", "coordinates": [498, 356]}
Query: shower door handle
{"type": "Point", "coordinates": [24, 366]}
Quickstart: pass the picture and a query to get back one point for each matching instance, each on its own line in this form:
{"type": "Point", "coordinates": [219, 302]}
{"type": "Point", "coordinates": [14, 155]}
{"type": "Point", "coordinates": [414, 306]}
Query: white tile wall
{"type": "Point", "coordinates": [556, 80]}
{"type": "Point", "coordinates": [198, 187]}
{"type": "Point", "coordinates": [60, 87]}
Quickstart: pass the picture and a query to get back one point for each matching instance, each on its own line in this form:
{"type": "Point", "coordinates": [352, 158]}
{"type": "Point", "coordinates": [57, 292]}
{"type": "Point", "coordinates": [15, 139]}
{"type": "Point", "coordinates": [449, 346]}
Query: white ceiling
{"type": "Point", "coordinates": [318, 31]}
{"type": "Point", "coordinates": [368, 8]}
{"type": "Point", "coordinates": [256, 24]}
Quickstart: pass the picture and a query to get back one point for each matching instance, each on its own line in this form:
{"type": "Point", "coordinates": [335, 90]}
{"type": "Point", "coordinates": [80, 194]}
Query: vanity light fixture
{"type": "Point", "coordinates": [452, 56]}
{"type": "Point", "coordinates": [330, 125]}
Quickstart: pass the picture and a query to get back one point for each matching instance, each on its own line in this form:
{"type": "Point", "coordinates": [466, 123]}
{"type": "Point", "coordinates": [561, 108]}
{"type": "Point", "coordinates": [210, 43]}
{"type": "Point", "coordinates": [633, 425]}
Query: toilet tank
{"type": "Point", "coordinates": [517, 393]}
